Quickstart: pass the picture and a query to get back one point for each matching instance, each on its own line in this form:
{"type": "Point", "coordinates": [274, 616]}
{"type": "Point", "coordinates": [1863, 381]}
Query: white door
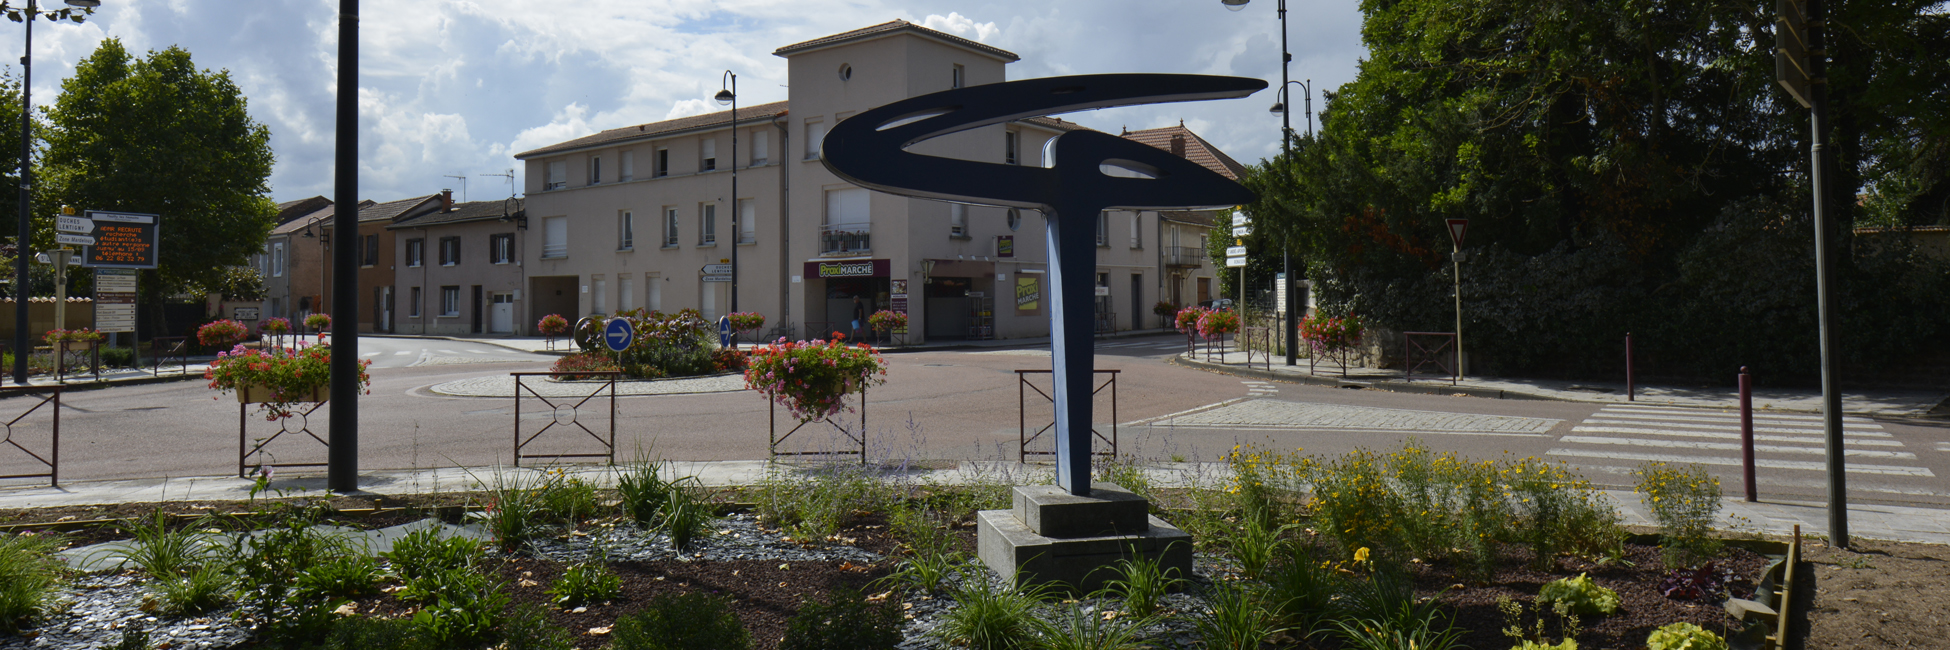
{"type": "Point", "coordinates": [501, 317]}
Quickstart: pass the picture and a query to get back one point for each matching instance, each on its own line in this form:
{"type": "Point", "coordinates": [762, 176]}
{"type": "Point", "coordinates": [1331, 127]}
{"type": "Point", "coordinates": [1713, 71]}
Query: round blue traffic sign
{"type": "Point", "coordinates": [618, 334]}
{"type": "Point", "coordinates": [724, 331]}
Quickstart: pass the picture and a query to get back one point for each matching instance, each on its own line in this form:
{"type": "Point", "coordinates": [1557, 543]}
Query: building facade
{"type": "Point", "coordinates": [642, 216]}
{"type": "Point", "coordinates": [459, 270]}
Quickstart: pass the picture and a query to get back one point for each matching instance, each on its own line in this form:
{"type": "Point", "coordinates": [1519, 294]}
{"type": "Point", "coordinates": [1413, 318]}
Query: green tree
{"type": "Point", "coordinates": [158, 135]}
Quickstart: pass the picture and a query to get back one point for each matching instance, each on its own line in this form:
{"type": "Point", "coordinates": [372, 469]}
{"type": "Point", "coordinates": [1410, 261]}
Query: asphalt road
{"type": "Point", "coordinates": [965, 405]}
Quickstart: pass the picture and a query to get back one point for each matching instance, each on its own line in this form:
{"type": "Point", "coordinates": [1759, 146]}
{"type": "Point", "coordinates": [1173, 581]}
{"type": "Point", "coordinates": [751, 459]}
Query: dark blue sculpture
{"type": "Point", "coordinates": [1071, 189]}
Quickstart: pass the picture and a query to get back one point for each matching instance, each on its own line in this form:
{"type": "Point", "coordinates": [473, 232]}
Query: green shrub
{"type": "Point", "coordinates": [1558, 511]}
{"type": "Point", "coordinates": [843, 621]}
{"type": "Point", "coordinates": [566, 499]}
{"type": "Point", "coordinates": [1075, 628]}
{"type": "Point", "coordinates": [426, 552]}
{"type": "Point", "coordinates": [816, 505]}
{"type": "Point", "coordinates": [642, 490]}
{"type": "Point", "coordinates": [691, 621]}
{"type": "Point", "coordinates": [463, 615]}
{"type": "Point", "coordinates": [164, 552]}
{"type": "Point", "coordinates": [1383, 614]}
{"type": "Point", "coordinates": [514, 510]}
{"type": "Point", "coordinates": [686, 513]}
{"type": "Point", "coordinates": [1580, 595]}
{"type": "Point", "coordinates": [1684, 636]}
{"type": "Point", "coordinates": [1303, 592]}
{"type": "Point", "coordinates": [29, 573]}
{"type": "Point", "coordinates": [1237, 618]}
{"type": "Point", "coordinates": [924, 571]}
{"type": "Point", "coordinates": [118, 357]}
{"type": "Point", "coordinates": [527, 628]}
{"type": "Point", "coordinates": [195, 591]}
{"type": "Point", "coordinates": [428, 587]}
{"type": "Point", "coordinates": [584, 583]}
{"type": "Point", "coordinates": [1352, 504]}
{"type": "Point", "coordinates": [268, 565]}
{"type": "Point", "coordinates": [1536, 636]}
{"type": "Point", "coordinates": [1141, 582]}
{"type": "Point", "coordinates": [923, 528]}
{"type": "Point", "coordinates": [1684, 499]}
{"type": "Point", "coordinates": [1257, 545]}
{"type": "Point", "coordinates": [990, 614]}
{"type": "Point", "coordinates": [363, 633]}
{"type": "Point", "coordinates": [352, 575]}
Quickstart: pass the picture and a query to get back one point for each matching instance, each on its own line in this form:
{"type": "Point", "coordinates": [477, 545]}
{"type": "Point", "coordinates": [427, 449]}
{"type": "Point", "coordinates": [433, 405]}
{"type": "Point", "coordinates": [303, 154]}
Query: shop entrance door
{"type": "Point", "coordinates": [948, 310]}
{"type": "Point", "coordinates": [502, 317]}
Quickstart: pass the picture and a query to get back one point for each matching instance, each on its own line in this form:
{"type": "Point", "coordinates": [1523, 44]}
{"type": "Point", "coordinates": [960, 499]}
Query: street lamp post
{"type": "Point", "coordinates": [324, 237]}
{"type": "Point", "coordinates": [23, 345]}
{"type": "Point", "coordinates": [1286, 146]}
{"type": "Point", "coordinates": [729, 95]}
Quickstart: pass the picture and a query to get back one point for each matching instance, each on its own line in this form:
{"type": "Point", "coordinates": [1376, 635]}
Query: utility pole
{"type": "Point", "coordinates": [342, 471]}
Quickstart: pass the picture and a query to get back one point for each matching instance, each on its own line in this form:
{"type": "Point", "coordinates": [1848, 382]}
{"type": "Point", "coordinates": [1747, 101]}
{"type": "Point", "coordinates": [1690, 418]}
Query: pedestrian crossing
{"type": "Point", "coordinates": [1639, 433]}
{"type": "Point", "coordinates": [1260, 388]}
{"type": "Point", "coordinates": [1152, 344]}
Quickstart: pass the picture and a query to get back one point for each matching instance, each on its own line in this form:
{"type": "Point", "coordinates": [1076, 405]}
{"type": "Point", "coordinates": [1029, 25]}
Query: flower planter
{"type": "Point", "coordinates": [258, 393]}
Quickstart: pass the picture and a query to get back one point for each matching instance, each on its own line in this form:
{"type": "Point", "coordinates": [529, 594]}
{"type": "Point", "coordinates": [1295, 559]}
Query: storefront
{"type": "Point", "coordinates": [834, 285]}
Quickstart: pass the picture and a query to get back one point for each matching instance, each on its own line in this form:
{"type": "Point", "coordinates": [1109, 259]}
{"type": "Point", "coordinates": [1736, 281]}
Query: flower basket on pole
{"type": "Point", "coordinates": [281, 382]}
{"type": "Point", "coordinates": [1187, 322]}
{"type": "Point", "coordinates": [1331, 337]}
{"type": "Point", "coordinates": [744, 321]}
{"type": "Point", "coordinates": [812, 380]}
{"type": "Point", "coordinates": [552, 327]}
{"type": "Point", "coordinates": [1214, 325]}
{"type": "Point", "coordinates": [885, 322]}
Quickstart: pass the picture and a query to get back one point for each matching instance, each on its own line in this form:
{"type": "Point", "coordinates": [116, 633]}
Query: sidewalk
{"type": "Point", "coordinates": [539, 345]}
{"type": "Point", "coordinates": [1896, 403]}
{"type": "Point", "coordinates": [1880, 522]}
{"type": "Point", "coordinates": [119, 377]}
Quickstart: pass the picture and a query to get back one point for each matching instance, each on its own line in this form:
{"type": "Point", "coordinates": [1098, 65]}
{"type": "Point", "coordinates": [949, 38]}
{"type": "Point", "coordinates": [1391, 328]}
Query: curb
{"type": "Point", "coordinates": [1390, 385]}
{"type": "Point", "coordinates": [109, 383]}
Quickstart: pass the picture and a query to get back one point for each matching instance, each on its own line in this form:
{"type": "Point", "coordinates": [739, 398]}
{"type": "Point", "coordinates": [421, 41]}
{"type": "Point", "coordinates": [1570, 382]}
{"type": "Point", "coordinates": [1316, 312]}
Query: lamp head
{"type": "Point", "coordinates": [1234, 5]}
{"type": "Point", "coordinates": [725, 97]}
{"type": "Point", "coordinates": [1278, 107]}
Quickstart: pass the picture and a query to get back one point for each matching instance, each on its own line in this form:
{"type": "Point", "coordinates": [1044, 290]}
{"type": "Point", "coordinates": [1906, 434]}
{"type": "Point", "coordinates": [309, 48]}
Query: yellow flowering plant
{"type": "Point", "coordinates": [1685, 500]}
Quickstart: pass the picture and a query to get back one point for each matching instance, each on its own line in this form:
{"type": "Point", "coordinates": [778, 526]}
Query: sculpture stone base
{"type": "Point", "coordinates": [1052, 537]}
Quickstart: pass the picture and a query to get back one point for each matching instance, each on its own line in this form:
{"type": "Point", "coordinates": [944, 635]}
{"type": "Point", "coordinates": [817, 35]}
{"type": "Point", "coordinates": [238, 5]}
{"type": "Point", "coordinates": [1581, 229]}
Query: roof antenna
{"type": "Point", "coordinates": [511, 182]}
{"type": "Point", "coordinates": [463, 185]}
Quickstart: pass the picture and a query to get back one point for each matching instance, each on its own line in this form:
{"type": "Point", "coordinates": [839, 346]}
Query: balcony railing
{"type": "Point", "coordinates": [1184, 256]}
{"type": "Point", "coordinates": [845, 239]}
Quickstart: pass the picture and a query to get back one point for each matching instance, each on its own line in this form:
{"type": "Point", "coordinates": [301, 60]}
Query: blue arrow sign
{"type": "Point", "coordinates": [724, 331]}
{"type": "Point", "coordinates": [618, 334]}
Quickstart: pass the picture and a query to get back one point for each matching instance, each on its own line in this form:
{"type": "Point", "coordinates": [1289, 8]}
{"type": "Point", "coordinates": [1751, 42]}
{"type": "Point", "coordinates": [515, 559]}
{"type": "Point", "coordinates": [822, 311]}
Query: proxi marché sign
{"type": "Point", "coordinates": [123, 240]}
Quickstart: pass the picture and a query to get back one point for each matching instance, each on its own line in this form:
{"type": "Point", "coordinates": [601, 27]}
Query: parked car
{"type": "Point", "coordinates": [1222, 303]}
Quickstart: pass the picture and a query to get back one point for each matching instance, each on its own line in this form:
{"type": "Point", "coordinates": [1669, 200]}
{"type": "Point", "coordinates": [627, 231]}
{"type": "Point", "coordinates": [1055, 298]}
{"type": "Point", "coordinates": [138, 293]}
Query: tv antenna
{"type": "Point", "coordinates": [463, 185]}
{"type": "Point", "coordinates": [510, 175]}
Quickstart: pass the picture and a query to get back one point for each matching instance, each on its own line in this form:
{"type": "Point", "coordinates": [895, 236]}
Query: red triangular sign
{"type": "Point", "coordinates": [1458, 228]}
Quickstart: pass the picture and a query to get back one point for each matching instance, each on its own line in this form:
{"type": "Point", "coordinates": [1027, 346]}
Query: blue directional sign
{"type": "Point", "coordinates": [618, 334]}
{"type": "Point", "coordinates": [724, 331]}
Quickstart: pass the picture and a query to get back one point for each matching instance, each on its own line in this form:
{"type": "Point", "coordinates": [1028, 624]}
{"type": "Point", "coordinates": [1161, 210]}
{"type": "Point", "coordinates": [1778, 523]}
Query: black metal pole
{"type": "Point", "coordinates": [22, 344]}
{"type": "Point", "coordinates": [1831, 396]}
{"type": "Point", "coordinates": [1286, 142]}
{"type": "Point", "coordinates": [737, 228]}
{"type": "Point", "coordinates": [343, 470]}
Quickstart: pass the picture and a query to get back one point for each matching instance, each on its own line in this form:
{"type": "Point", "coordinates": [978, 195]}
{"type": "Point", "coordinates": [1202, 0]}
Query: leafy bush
{"type": "Point", "coordinates": [1141, 583]}
{"type": "Point", "coordinates": [1536, 636]}
{"type": "Point", "coordinates": [425, 552]}
{"type": "Point", "coordinates": [268, 565]}
{"type": "Point", "coordinates": [1080, 628]}
{"type": "Point", "coordinates": [1684, 636]}
{"type": "Point", "coordinates": [195, 591]}
{"type": "Point", "coordinates": [686, 513]}
{"type": "Point", "coordinates": [843, 621]}
{"type": "Point", "coordinates": [1580, 595]}
{"type": "Point", "coordinates": [691, 621]}
{"type": "Point", "coordinates": [164, 551]}
{"type": "Point", "coordinates": [1383, 614]}
{"type": "Point", "coordinates": [28, 574]}
{"type": "Point", "coordinates": [1237, 618]}
{"type": "Point", "coordinates": [1559, 511]}
{"type": "Point", "coordinates": [1684, 500]}
{"type": "Point", "coordinates": [990, 614]}
{"type": "Point", "coordinates": [1304, 592]}
{"type": "Point", "coordinates": [584, 583]}
{"type": "Point", "coordinates": [815, 505]}
{"type": "Point", "coordinates": [1705, 583]}
{"type": "Point", "coordinates": [588, 362]}
{"type": "Point", "coordinates": [669, 345]}
{"type": "Point", "coordinates": [464, 615]}
{"type": "Point", "coordinates": [565, 498]}
{"type": "Point", "coordinates": [642, 490]}
{"type": "Point", "coordinates": [527, 628]}
{"type": "Point", "coordinates": [348, 576]}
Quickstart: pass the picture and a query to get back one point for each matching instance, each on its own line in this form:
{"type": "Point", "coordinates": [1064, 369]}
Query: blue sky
{"type": "Point", "coordinates": [455, 87]}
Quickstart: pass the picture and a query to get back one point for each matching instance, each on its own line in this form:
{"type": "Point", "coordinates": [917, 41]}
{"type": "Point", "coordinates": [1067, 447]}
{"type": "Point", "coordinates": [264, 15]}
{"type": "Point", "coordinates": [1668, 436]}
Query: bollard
{"type": "Point", "coordinates": [1631, 388]}
{"type": "Point", "coordinates": [1747, 433]}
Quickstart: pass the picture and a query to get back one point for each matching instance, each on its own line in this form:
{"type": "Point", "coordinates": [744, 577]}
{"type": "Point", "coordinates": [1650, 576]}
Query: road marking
{"type": "Point", "coordinates": [1813, 466]}
{"type": "Point", "coordinates": [369, 354]}
{"type": "Point", "coordinates": [1863, 430]}
{"type": "Point", "coordinates": [1725, 446]}
{"type": "Point", "coordinates": [1765, 480]}
{"type": "Point", "coordinates": [402, 352]}
{"type": "Point", "coordinates": [1709, 417]}
{"type": "Point", "coordinates": [480, 352]}
{"type": "Point", "coordinates": [1695, 412]}
{"type": "Point", "coordinates": [1943, 446]}
{"type": "Point", "coordinates": [1730, 436]}
{"type": "Point", "coordinates": [448, 352]}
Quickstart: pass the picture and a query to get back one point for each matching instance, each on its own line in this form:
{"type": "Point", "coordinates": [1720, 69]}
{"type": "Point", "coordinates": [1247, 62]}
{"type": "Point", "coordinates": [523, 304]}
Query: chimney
{"type": "Point", "coordinates": [447, 196]}
{"type": "Point", "coordinates": [1178, 145]}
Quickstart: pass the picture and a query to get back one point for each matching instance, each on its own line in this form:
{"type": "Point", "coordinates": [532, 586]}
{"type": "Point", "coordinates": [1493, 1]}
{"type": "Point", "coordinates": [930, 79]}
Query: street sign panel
{"type": "Point", "coordinates": [73, 224]}
{"type": "Point", "coordinates": [115, 300]}
{"type": "Point", "coordinates": [1235, 262]}
{"type": "Point", "coordinates": [1458, 228]}
{"type": "Point", "coordinates": [81, 240]}
{"type": "Point", "coordinates": [1241, 218]}
{"type": "Point", "coordinates": [618, 334]}
{"type": "Point", "coordinates": [716, 277]}
{"type": "Point", "coordinates": [123, 240]}
{"type": "Point", "coordinates": [1792, 34]}
{"type": "Point", "coordinates": [715, 269]}
{"type": "Point", "coordinates": [1235, 251]}
{"type": "Point", "coordinates": [1241, 231]}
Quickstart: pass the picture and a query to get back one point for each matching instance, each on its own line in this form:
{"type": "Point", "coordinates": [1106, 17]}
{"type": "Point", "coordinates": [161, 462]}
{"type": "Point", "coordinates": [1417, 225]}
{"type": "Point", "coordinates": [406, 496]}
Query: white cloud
{"type": "Point", "coordinates": [960, 25]}
{"type": "Point", "coordinates": [570, 123]}
{"type": "Point", "coordinates": [689, 107]}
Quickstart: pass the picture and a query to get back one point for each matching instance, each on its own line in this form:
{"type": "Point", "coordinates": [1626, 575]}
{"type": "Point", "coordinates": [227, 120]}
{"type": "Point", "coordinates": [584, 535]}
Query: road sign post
{"type": "Point", "coordinates": [1457, 229]}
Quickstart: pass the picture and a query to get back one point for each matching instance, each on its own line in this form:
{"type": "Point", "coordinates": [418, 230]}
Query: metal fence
{"type": "Point", "coordinates": [1025, 438]}
{"type": "Point", "coordinates": [566, 414]}
{"type": "Point", "coordinates": [19, 428]}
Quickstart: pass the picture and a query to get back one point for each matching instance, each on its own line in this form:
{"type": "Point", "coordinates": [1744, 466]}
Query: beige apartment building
{"type": "Point", "coordinates": [460, 269]}
{"type": "Point", "coordinates": [641, 216]}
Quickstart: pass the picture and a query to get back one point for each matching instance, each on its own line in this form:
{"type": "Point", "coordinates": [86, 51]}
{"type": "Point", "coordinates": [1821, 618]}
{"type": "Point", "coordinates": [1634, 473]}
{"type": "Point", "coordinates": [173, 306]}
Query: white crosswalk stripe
{"type": "Point", "coordinates": [1631, 432]}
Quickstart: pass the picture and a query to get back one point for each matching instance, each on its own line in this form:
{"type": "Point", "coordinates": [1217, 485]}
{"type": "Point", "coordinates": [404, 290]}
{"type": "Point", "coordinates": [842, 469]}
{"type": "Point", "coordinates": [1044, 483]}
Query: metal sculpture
{"type": "Point", "coordinates": [1083, 174]}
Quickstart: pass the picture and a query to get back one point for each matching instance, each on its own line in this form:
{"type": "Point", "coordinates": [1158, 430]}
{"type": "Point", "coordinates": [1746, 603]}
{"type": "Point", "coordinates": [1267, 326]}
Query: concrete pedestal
{"type": "Point", "coordinates": [1051, 536]}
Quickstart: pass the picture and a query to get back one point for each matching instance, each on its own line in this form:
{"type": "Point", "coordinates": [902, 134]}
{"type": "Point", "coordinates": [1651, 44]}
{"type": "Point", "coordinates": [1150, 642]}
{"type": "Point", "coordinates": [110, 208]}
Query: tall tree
{"type": "Point", "coordinates": [158, 135]}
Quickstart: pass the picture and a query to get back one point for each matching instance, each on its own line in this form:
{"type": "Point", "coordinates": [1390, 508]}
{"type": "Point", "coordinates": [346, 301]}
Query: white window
{"type": "Point", "coordinates": [709, 149]}
{"type": "Point", "coordinates": [1010, 148]}
{"type": "Point", "coordinates": [707, 224]}
{"type": "Point", "coordinates": [761, 147]}
{"type": "Point", "coordinates": [625, 293]}
{"type": "Point", "coordinates": [957, 220]}
{"type": "Point", "coordinates": [450, 301]}
{"type": "Point", "coordinates": [558, 176]}
{"type": "Point", "coordinates": [960, 76]}
{"type": "Point", "coordinates": [629, 167]}
{"type": "Point", "coordinates": [663, 162]}
{"type": "Point", "coordinates": [1103, 229]}
{"type": "Point", "coordinates": [815, 132]}
{"type": "Point", "coordinates": [709, 305]}
{"type": "Point", "coordinates": [656, 292]}
{"type": "Point", "coordinates": [670, 227]}
{"type": "Point", "coordinates": [595, 169]}
{"type": "Point", "coordinates": [555, 237]}
{"type": "Point", "coordinates": [449, 251]}
{"type": "Point", "coordinates": [413, 304]}
{"type": "Point", "coordinates": [1137, 229]}
{"type": "Point", "coordinates": [598, 294]}
{"type": "Point", "coordinates": [501, 248]}
{"type": "Point", "coordinates": [847, 207]}
{"type": "Point", "coordinates": [416, 250]}
{"type": "Point", "coordinates": [625, 231]}
{"type": "Point", "coordinates": [747, 221]}
{"type": "Point", "coordinates": [277, 260]}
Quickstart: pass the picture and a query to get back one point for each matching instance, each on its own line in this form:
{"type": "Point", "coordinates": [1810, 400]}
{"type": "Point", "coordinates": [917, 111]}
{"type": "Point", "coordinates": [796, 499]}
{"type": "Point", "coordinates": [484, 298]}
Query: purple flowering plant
{"type": "Point", "coordinates": [811, 379]}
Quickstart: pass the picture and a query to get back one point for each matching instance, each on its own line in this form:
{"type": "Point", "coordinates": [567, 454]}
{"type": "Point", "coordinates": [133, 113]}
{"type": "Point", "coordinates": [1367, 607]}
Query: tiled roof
{"type": "Point", "coordinates": [1196, 149]}
{"type": "Point", "coordinates": [321, 216]}
{"type": "Point", "coordinates": [462, 212]}
{"type": "Point", "coordinates": [746, 115]}
{"type": "Point", "coordinates": [1054, 123]}
{"type": "Point", "coordinates": [289, 210]}
{"type": "Point", "coordinates": [391, 210]}
{"type": "Point", "coordinates": [890, 27]}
